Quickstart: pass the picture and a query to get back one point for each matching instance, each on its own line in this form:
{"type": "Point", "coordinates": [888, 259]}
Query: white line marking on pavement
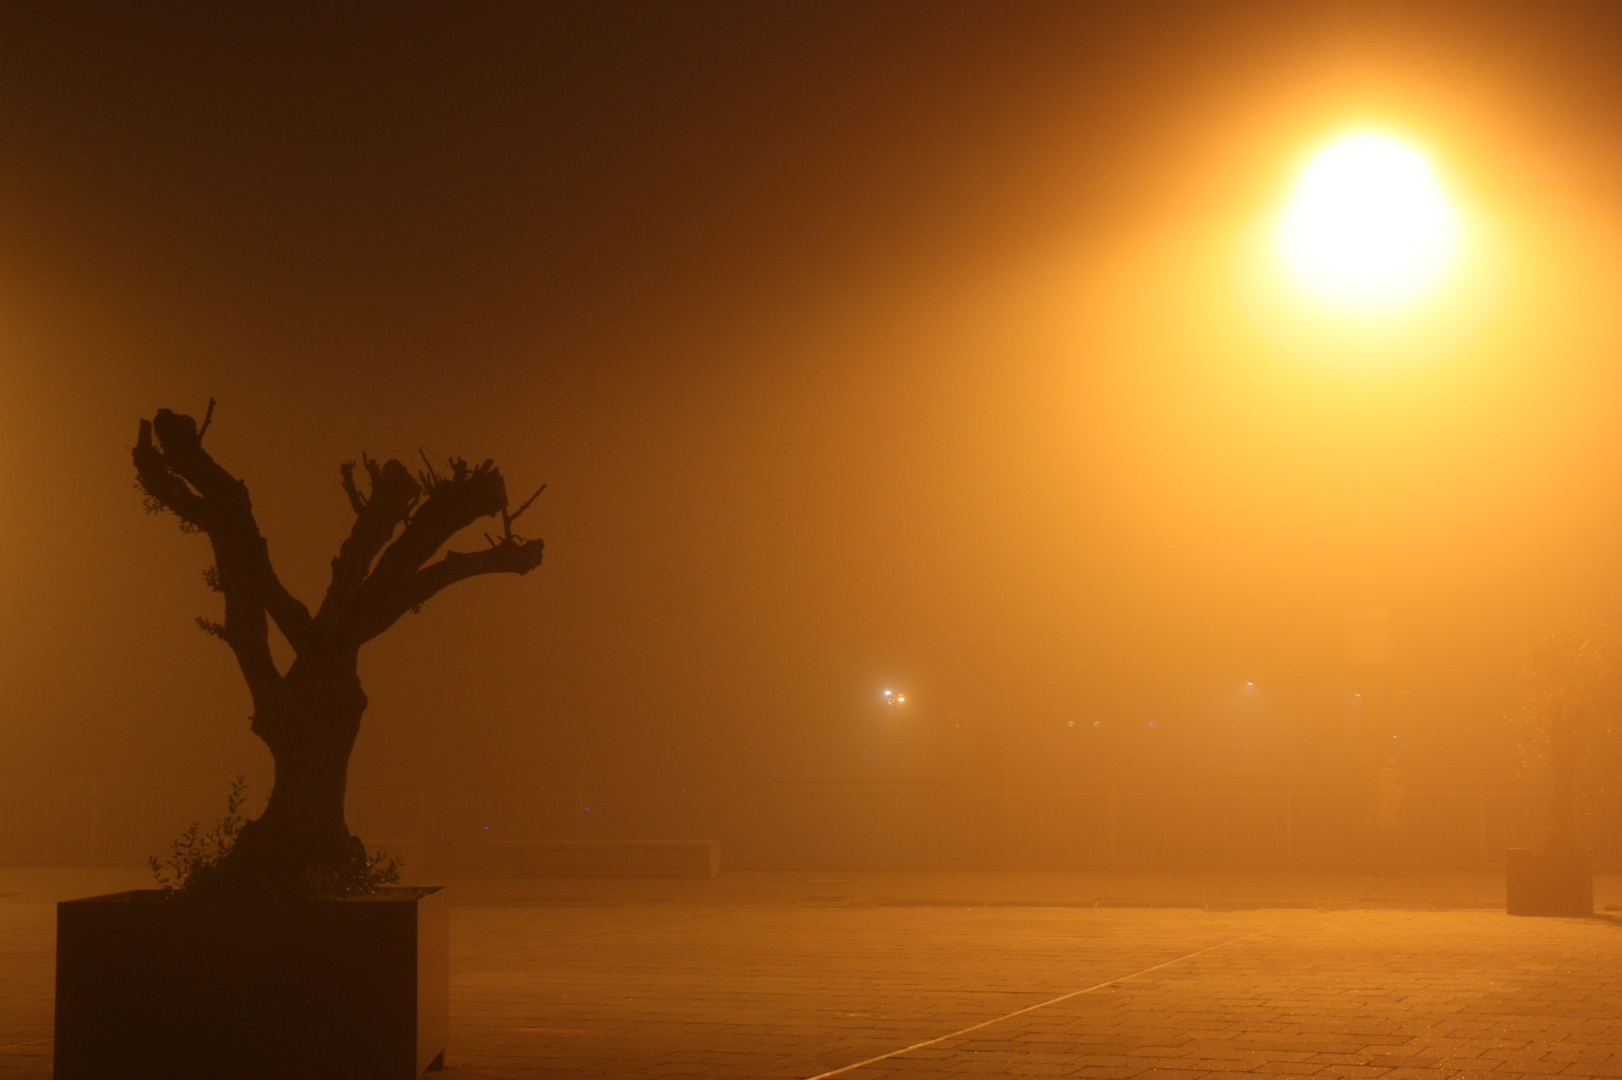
{"type": "Point", "coordinates": [1038, 1005]}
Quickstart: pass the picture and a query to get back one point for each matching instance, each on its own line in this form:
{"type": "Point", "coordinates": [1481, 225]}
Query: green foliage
{"type": "Point", "coordinates": [353, 880]}
{"type": "Point", "coordinates": [198, 866]}
{"type": "Point", "coordinates": [194, 860]}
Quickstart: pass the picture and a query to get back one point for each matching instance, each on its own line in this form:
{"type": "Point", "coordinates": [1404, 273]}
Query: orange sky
{"type": "Point", "coordinates": [909, 348]}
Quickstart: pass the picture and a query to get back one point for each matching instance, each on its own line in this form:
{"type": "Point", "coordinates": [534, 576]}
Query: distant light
{"type": "Point", "coordinates": [1095, 723]}
{"type": "Point", "coordinates": [887, 693]}
{"type": "Point", "coordinates": [902, 698]}
{"type": "Point", "coordinates": [1151, 723]}
{"type": "Point", "coordinates": [1250, 684]}
{"type": "Point", "coordinates": [1071, 724]}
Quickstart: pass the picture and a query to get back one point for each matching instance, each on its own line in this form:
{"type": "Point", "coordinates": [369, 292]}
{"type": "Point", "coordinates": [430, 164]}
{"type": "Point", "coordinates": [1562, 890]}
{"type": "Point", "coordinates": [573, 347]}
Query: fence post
{"type": "Point", "coordinates": [1289, 826]}
{"type": "Point", "coordinates": [1114, 850]}
{"type": "Point", "coordinates": [95, 819]}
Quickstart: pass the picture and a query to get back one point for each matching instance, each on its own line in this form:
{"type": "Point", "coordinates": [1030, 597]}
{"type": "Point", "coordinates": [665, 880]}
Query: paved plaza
{"type": "Point", "coordinates": [868, 975]}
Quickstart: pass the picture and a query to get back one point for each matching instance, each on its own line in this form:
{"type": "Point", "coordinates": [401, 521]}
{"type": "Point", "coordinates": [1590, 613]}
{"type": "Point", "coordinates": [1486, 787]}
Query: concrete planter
{"type": "Point", "coordinates": [351, 989]}
{"type": "Point", "coordinates": [1550, 882]}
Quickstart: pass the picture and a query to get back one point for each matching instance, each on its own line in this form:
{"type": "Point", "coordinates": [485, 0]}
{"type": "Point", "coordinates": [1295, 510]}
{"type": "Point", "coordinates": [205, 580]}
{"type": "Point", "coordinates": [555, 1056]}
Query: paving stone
{"type": "Point", "coordinates": [738, 978]}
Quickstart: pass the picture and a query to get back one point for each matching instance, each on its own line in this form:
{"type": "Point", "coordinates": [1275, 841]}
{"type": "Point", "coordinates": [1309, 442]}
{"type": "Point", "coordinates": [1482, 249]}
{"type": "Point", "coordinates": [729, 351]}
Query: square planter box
{"type": "Point", "coordinates": [242, 990]}
{"type": "Point", "coordinates": [1556, 882]}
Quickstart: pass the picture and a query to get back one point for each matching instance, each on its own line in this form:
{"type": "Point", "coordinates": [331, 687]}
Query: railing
{"type": "Point", "coordinates": [901, 825]}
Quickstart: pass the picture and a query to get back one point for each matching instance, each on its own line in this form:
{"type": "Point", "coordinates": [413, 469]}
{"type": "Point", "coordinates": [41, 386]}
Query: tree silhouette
{"type": "Point", "coordinates": [1569, 718]}
{"type": "Point", "coordinates": [310, 714]}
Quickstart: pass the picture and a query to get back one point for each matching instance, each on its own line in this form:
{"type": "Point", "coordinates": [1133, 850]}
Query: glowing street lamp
{"type": "Point", "coordinates": [893, 698]}
{"type": "Point", "coordinates": [1368, 224]}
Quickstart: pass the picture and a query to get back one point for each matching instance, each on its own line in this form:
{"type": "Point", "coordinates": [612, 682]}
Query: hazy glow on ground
{"type": "Point", "coordinates": [1368, 223]}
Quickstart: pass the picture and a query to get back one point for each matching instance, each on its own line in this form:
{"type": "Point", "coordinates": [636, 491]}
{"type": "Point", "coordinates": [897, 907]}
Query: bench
{"type": "Point", "coordinates": [603, 858]}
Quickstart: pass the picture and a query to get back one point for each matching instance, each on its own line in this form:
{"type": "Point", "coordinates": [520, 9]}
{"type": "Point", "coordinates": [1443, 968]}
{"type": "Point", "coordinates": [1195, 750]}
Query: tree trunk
{"type": "Point", "coordinates": [302, 840]}
{"type": "Point", "coordinates": [1562, 835]}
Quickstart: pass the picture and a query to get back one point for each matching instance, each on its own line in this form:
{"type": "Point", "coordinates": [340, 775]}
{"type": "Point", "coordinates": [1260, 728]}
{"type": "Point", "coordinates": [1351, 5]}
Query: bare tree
{"type": "Point", "coordinates": [310, 714]}
{"type": "Point", "coordinates": [1569, 717]}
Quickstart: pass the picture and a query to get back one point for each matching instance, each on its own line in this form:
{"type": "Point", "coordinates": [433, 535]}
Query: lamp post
{"type": "Point", "coordinates": [1369, 229]}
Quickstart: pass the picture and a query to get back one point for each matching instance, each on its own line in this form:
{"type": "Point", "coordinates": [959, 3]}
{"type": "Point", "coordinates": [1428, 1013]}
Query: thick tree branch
{"type": "Point", "coordinates": [228, 519]}
{"type": "Point", "coordinates": [175, 471]}
{"type": "Point", "coordinates": [292, 617]}
{"type": "Point", "coordinates": [509, 557]}
{"type": "Point", "coordinates": [453, 503]}
{"type": "Point", "coordinates": [393, 495]}
{"type": "Point", "coordinates": [505, 557]}
{"type": "Point", "coordinates": [162, 486]}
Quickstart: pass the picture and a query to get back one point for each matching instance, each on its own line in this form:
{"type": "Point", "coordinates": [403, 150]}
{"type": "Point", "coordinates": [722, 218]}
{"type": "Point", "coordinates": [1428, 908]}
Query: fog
{"type": "Point", "coordinates": [924, 348]}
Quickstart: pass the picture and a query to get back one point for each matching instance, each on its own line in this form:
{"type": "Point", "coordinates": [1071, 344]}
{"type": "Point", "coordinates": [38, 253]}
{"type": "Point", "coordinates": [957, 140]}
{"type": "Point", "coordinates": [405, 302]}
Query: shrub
{"type": "Point", "coordinates": [193, 869]}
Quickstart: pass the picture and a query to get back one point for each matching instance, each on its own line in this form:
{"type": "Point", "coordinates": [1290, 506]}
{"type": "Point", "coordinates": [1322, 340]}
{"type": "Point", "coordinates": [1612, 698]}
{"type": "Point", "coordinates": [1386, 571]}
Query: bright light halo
{"type": "Point", "coordinates": [1368, 223]}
